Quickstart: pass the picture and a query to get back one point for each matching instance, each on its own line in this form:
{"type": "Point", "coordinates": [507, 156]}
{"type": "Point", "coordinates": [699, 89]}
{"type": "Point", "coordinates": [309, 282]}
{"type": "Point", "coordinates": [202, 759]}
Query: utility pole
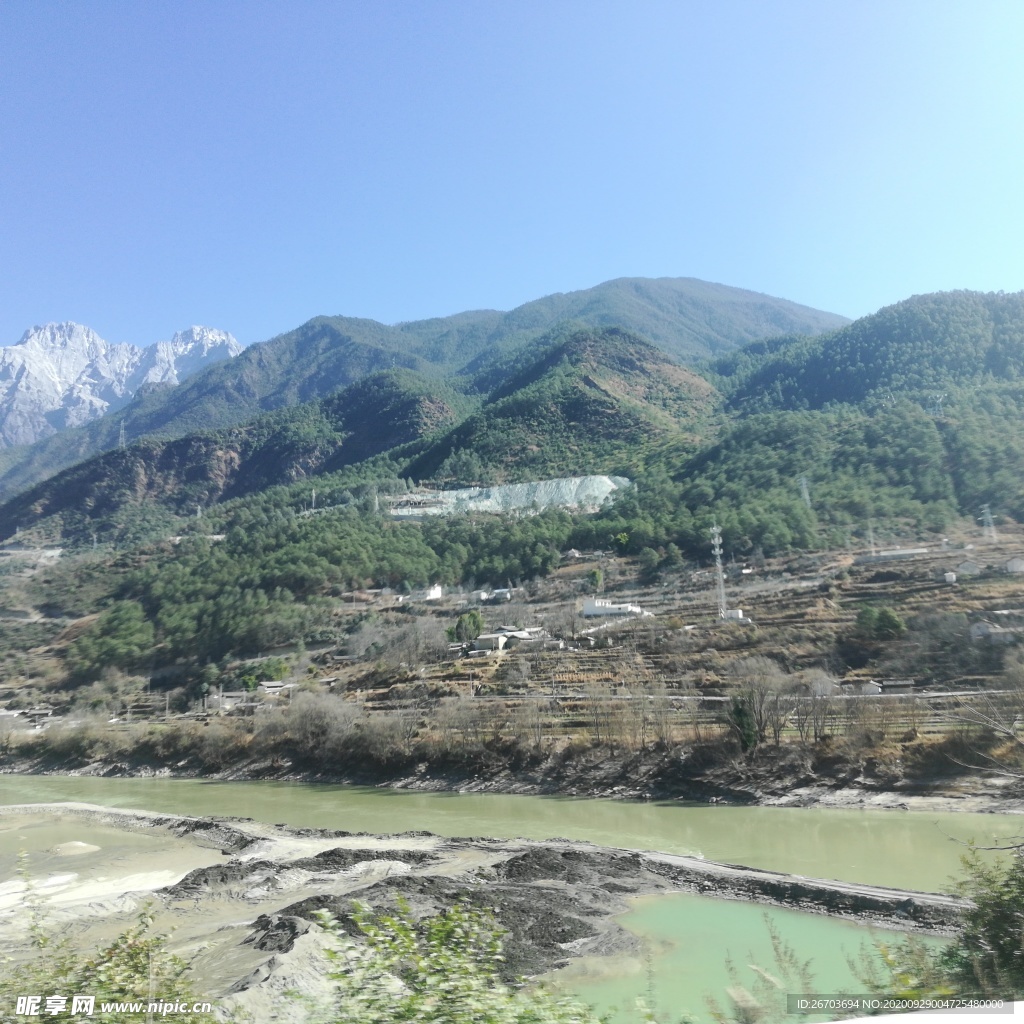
{"type": "Point", "coordinates": [805, 489]}
{"type": "Point", "coordinates": [716, 547]}
{"type": "Point", "coordinates": [988, 524]}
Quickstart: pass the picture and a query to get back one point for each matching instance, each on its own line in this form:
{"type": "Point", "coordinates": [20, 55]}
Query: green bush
{"type": "Point", "coordinates": [440, 970]}
{"type": "Point", "coordinates": [135, 967]}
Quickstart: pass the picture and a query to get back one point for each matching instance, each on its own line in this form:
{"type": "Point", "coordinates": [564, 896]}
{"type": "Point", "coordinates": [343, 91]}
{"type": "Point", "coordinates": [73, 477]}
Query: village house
{"type": "Point", "coordinates": [594, 607]}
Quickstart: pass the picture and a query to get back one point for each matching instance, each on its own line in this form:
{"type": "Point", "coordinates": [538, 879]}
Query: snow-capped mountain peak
{"type": "Point", "coordinates": [62, 375]}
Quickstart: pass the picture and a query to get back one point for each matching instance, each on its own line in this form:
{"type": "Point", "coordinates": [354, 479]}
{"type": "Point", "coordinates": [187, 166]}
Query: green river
{"type": "Point", "coordinates": [689, 938]}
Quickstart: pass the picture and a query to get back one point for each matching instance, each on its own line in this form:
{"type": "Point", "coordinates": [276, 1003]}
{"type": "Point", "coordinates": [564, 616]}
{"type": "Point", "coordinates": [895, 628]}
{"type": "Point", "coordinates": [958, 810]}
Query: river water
{"type": "Point", "coordinates": [688, 937]}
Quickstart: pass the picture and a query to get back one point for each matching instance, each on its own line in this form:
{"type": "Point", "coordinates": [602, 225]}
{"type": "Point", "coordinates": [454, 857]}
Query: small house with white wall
{"type": "Point", "coordinates": [994, 634]}
{"type": "Point", "coordinates": [594, 607]}
{"type": "Point", "coordinates": [490, 642]}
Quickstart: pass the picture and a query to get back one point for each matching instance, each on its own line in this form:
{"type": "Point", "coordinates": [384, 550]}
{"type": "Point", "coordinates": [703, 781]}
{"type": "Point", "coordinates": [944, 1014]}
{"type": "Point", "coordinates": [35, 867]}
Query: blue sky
{"type": "Point", "coordinates": [250, 165]}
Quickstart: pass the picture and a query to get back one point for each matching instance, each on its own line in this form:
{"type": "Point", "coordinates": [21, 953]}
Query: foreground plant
{"type": "Point", "coordinates": [440, 970]}
{"type": "Point", "coordinates": [119, 981]}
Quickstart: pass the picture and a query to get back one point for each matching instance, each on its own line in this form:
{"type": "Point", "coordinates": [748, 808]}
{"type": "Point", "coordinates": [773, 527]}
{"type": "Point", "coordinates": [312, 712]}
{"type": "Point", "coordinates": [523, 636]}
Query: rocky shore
{"type": "Point", "coordinates": [779, 777]}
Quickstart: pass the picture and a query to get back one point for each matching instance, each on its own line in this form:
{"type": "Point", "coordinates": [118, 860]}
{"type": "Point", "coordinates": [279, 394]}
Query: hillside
{"type": "Point", "coordinates": [592, 403]}
{"type": "Point", "coordinates": [572, 404]}
{"type": "Point", "coordinates": [690, 320]}
{"type": "Point", "coordinates": [151, 481]}
{"type": "Point", "coordinates": [926, 343]}
{"type": "Point", "coordinates": [577, 402]}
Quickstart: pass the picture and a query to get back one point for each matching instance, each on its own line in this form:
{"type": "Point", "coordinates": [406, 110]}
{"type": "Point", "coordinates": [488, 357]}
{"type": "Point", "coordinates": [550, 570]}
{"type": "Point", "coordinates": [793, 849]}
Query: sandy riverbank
{"type": "Point", "coordinates": [242, 903]}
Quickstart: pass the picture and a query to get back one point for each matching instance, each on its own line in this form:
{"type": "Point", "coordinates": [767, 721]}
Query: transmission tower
{"type": "Point", "coordinates": [988, 523]}
{"type": "Point", "coordinates": [313, 506]}
{"type": "Point", "coordinates": [716, 547]}
{"type": "Point", "coordinates": [805, 489]}
{"type": "Point", "coordinates": [937, 400]}
{"type": "Point", "coordinates": [121, 437]}
{"type": "Point", "coordinates": [871, 536]}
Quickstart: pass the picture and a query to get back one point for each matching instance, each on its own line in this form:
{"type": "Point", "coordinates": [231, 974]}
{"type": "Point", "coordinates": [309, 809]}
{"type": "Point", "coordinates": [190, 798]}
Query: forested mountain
{"type": "Point", "coordinates": [867, 436]}
{"type": "Point", "coordinates": [852, 411]}
{"type": "Point", "coordinates": [928, 342]}
{"type": "Point", "coordinates": [572, 403]}
{"type": "Point", "coordinates": [591, 403]}
{"type": "Point", "coordinates": [149, 482]}
{"type": "Point", "coordinates": [686, 318]}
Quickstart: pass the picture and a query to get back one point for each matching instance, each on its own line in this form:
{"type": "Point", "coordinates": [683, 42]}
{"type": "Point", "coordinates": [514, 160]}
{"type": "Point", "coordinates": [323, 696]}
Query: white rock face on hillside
{"type": "Point", "coordinates": [63, 375]}
{"type": "Point", "coordinates": [586, 493]}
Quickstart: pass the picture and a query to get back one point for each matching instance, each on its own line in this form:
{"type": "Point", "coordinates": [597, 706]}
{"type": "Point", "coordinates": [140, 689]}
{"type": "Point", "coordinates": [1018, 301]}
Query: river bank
{"type": "Point", "coordinates": [786, 776]}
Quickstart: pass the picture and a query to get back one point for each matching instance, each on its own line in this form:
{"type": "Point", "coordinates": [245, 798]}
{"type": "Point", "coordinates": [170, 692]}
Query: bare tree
{"type": "Point", "coordinates": [597, 701]}
{"type": "Point", "coordinates": [815, 711]}
{"type": "Point", "coordinates": [662, 712]}
{"type": "Point", "coordinates": [530, 718]}
{"type": "Point", "coordinates": [1000, 715]}
{"type": "Point", "coordinates": [411, 641]}
{"type": "Point", "coordinates": [323, 725]}
{"type": "Point", "coordinates": [768, 695]}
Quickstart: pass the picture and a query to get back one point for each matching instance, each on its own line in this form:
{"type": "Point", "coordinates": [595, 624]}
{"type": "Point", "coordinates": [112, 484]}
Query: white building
{"type": "Point", "coordinates": [597, 606]}
{"type": "Point", "coordinates": [994, 634]}
{"type": "Point", "coordinates": [490, 642]}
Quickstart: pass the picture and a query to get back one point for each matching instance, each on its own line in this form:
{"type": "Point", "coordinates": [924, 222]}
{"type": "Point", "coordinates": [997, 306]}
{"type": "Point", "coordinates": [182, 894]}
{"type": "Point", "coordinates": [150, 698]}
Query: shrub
{"type": "Point", "coordinates": [441, 970]}
{"type": "Point", "coordinates": [135, 965]}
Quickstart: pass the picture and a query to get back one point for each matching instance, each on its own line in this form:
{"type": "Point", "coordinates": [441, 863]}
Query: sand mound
{"type": "Point", "coordinates": [73, 849]}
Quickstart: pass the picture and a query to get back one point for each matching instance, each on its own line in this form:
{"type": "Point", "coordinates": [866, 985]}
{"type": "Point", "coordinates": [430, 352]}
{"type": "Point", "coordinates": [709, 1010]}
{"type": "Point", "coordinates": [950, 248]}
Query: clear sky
{"type": "Point", "coordinates": [250, 165]}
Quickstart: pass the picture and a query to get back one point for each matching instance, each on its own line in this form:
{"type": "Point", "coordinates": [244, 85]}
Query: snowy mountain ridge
{"type": "Point", "coordinates": [62, 375]}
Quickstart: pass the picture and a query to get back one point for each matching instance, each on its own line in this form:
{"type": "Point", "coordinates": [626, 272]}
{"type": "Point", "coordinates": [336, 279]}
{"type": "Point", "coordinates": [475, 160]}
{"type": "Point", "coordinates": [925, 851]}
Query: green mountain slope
{"type": "Point", "coordinates": [592, 403]}
{"type": "Point", "coordinates": [928, 342]}
{"type": "Point", "coordinates": [150, 482]}
{"type": "Point", "coordinates": [689, 319]}
{"type": "Point", "coordinates": [588, 401]}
